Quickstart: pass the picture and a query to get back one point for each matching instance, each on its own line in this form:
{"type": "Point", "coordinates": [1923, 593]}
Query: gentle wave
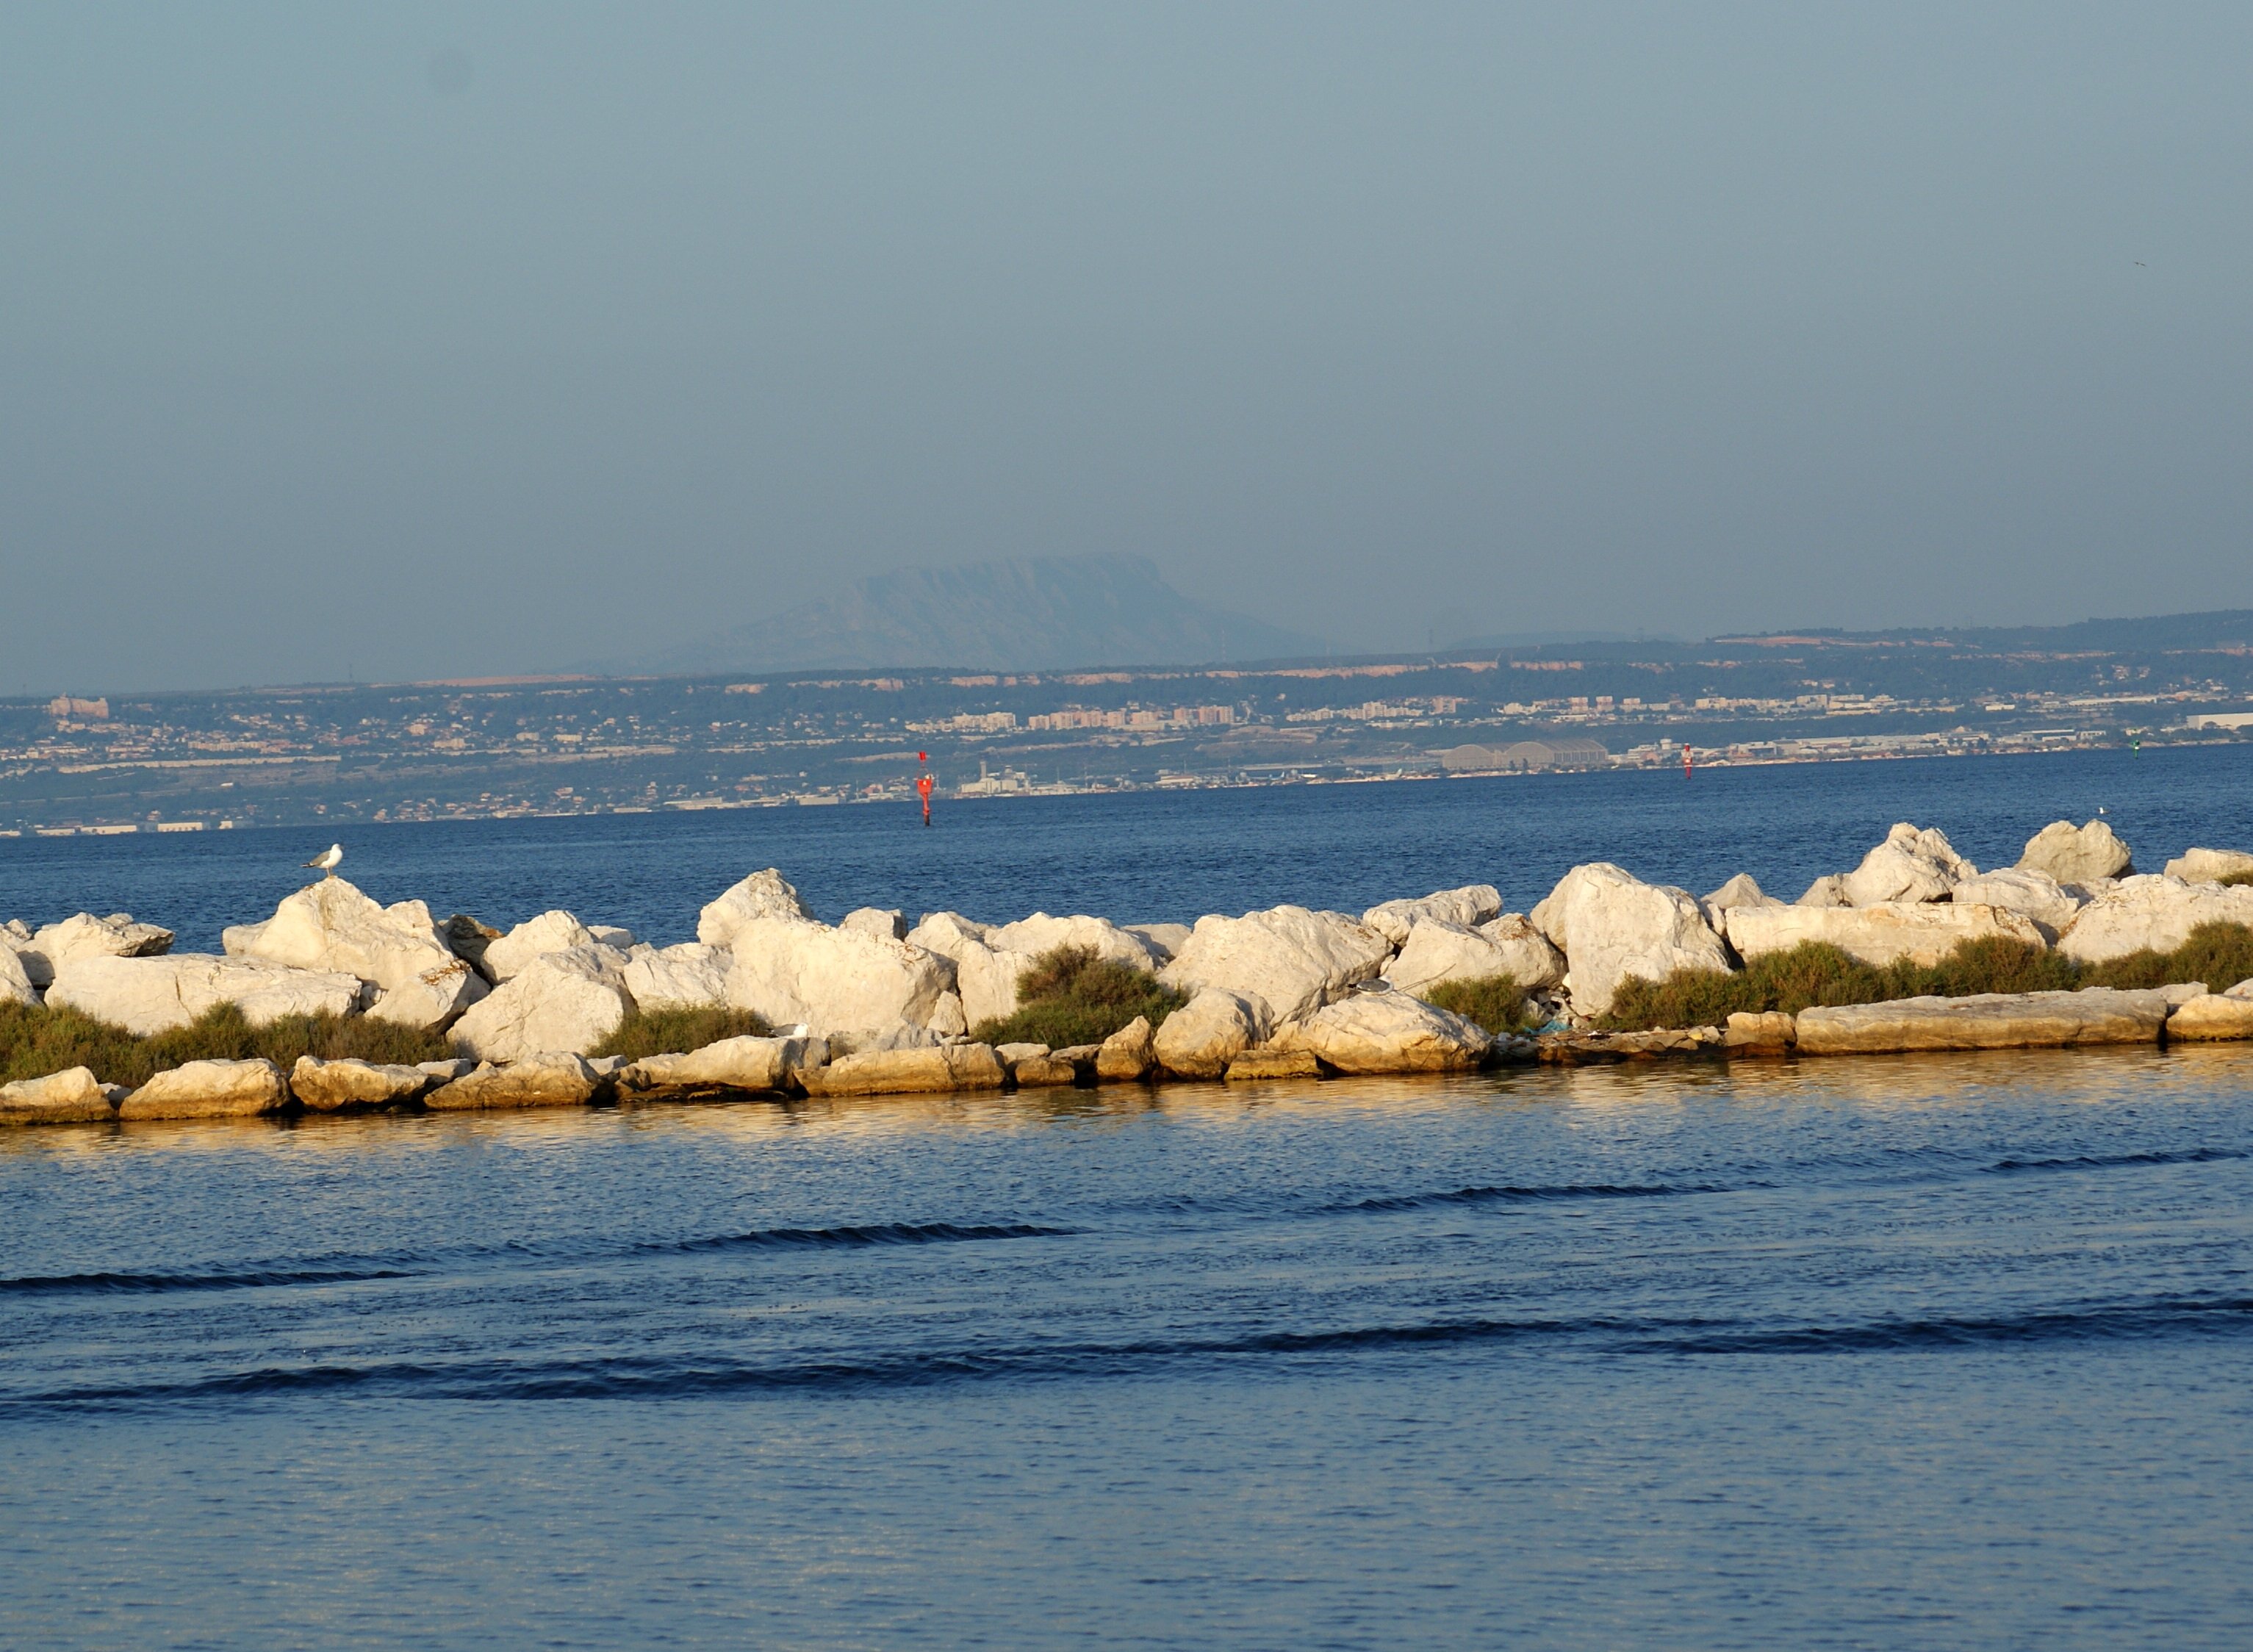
{"type": "Point", "coordinates": [38, 1285]}
{"type": "Point", "coordinates": [1528, 1195]}
{"type": "Point", "coordinates": [846, 1237]}
{"type": "Point", "coordinates": [2114, 1162]}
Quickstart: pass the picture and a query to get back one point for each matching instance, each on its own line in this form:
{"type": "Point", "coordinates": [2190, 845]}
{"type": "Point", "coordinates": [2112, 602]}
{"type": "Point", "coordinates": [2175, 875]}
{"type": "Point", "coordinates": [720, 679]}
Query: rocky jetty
{"type": "Point", "coordinates": [875, 1005]}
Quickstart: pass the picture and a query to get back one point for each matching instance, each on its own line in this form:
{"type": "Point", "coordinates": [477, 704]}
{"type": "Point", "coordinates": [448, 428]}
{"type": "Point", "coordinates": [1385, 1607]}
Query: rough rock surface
{"type": "Point", "coordinates": [733, 1064]}
{"type": "Point", "coordinates": [1757, 1031]}
{"type": "Point", "coordinates": [1385, 1032]}
{"type": "Point", "coordinates": [1128, 1053]}
{"type": "Point", "coordinates": [2154, 911]}
{"type": "Point", "coordinates": [689, 976]}
{"type": "Point", "coordinates": [2073, 853]}
{"type": "Point", "coordinates": [2211, 1017]}
{"type": "Point", "coordinates": [15, 981]}
{"type": "Point", "coordinates": [896, 1072]}
{"type": "Point", "coordinates": [467, 938]}
{"type": "Point", "coordinates": [2210, 866]}
{"type": "Point", "coordinates": [762, 895]}
{"type": "Point", "coordinates": [2035, 894]}
{"type": "Point", "coordinates": [1987, 1020]}
{"type": "Point", "coordinates": [209, 1090]}
{"type": "Point", "coordinates": [1910, 865]}
{"type": "Point", "coordinates": [87, 936]}
{"type": "Point", "coordinates": [560, 1001]}
{"type": "Point", "coordinates": [1041, 933]}
{"type": "Point", "coordinates": [1922, 932]}
{"type": "Point", "coordinates": [845, 981]}
{"type": "Point", "coordinates": [1829, 890]}
{"type": "Point", "coordinates": [1743, 889]}
{"type": "Point", "coordinates": [1046, 1069]}
{"type": "Point", "coordinates": [1256, 1064]}
{"type": "Point", "coordinates": [1612, 925]}
{"type": "Point", "coordinates": [549, 1079]}
{"type": "Point", "coordinates": [552, 931]}
{"type": "Point", "coordinates": [1165, 939]}
{"type": "Point", "coordinates": [1200, 1038]}
{"type": "Point", "coordinates": [876, 920]}
{"type": "Point", "coordinates": [1437, 951]}
{"type": "Point", "coordinates": [330, 1086]}
{"type": "Point", "coordinates": [71, 1097]}
{"type": "Point", "coordinates": [331, 926]}
{"type": "Point", "coordinates": [1293, 960]}
{"type": "Point", "coordinates": [147, 995]}
{"type": "Point", "coordinates": [1470, 906]}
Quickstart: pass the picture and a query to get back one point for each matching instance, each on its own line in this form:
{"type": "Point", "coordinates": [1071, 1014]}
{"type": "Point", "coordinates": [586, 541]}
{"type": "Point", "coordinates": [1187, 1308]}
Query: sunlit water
{"type": "Point", "coordinates": [1914, 1352]}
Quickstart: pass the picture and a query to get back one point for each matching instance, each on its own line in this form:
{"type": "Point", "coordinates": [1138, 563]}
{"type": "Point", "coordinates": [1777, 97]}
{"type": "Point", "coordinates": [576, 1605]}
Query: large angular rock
{"type": "Point", "coordinates": [1910, 865]}
{"type": "Point", "coordinates": [1291, 959]}
{"type": "Point", "coordinates": [2157, 912]}
{"type": "Point", "coordinates": [560, 1001]}
{"type": "Point", "coordinates": [1612, 925]}
{"type": "Point", "coordinates": [1829, 890]}
{"type": "Point", "coordinates": [56, 945]}
{"type": "Point", "coordinates": [1467, 907]}
{"type": "Point", "coordinates": [733, 1064]}
{"type": "Point", "coordinates": [209, 1089]}
{"type": "Point", "coordinates": [1128, 1055]}
{"type": "Point", "coordinates": [1041, 933]}
{"type": "Point", "coordinates": [886, 921]}
{"type": "Point", "coordinates": [689, 976]}
{"type": "Point", "coordinates": [331, 927]}
{"type": "Point", "coordinates": [553, 1078]}
{"type": "Point", "coordinates": [899, 1072]}
{"type": "Point", "coordinates": [2211, 1017]}
{"type": "Point", "coordinates": [1743, 889]}
{"type": "Point", "coordinates": [1165, 939]}
{"type": "Point", "coordinates": [1384, 1032]}
{"type": "Point", "coordinates": [551, 931]}
{"type": "Point", "coordinates": [2210, 866]}
{"type": "Point", "coordinates": [1988, 1020]}
{"type": "Point", "coordinates": [1437, 951]}
{"type": "Point", "coordinates": [71, 1097]}
{"type": "Point", "coordinates": [1920, 932]}
{"type": "Point", "coordinates": [2073, 853]}
{"type": "Point", "coordinates": [336, 1086]}
{"type": "Point", "coordinates": [1200, 1038]}
{"type": "Point", "coordinates": [148, 995]}
{"type": "Point", "coordinates": [762, 895]}
{"type": "Point", "coordinates": [846, 981]}
{"type": "Point", "coordinates": [1257, 1065]}
{"type": "Point", "coordinates": [2023, 889]}
{"type": "Point", "coordinates": [15, 981]}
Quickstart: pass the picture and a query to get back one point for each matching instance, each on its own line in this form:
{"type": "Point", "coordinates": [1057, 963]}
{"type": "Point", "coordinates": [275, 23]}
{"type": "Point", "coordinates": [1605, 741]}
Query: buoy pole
{"type": "Point", "coordinates": [1686, 760]}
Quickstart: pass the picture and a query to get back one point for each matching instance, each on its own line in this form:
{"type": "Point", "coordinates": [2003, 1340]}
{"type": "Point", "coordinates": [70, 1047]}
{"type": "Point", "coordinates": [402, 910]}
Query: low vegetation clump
{"type": "Point", "coordinates": [1817, 973]}
{"type": "Point", "coordinates": [2235, 881]}
{"type": "Point", "coordinates": [666, 1032]}
{"type": "Point", "coordinates": [1496, 1003]}
{"type": "Point", "coordinates": [1068, 995]}
{"type": "Point", "coordinates": [37, 1041]}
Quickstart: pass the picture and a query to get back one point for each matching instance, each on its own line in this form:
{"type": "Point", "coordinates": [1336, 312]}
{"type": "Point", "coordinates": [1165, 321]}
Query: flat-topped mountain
{"type": "Point", "coordinates": [1042, 613]}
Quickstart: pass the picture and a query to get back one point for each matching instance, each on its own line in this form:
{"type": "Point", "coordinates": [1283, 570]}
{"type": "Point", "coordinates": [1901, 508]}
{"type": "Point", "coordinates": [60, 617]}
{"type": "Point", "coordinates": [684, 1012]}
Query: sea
{"type": "Point", "coordinates": [1929, 1352]}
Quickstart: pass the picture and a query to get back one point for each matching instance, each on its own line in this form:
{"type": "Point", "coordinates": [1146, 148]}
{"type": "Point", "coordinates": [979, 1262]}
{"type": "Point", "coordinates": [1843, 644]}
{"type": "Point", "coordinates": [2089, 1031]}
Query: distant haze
{"type": "Point", "coordinates": [421, 341]}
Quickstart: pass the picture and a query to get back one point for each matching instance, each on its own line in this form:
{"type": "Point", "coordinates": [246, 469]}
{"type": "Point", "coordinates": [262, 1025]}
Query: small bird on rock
{"type": "Point", "coordinates": [327, 862]}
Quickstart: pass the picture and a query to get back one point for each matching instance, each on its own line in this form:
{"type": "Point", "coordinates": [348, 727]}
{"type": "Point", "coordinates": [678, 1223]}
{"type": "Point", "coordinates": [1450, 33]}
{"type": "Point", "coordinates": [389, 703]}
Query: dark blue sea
{"type": "Point", "coordinates": [1888, 1352]}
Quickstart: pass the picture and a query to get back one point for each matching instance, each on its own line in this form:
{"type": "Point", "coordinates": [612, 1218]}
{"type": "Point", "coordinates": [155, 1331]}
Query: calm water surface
{"type": "Point", "coordinates": [1911, 1352]}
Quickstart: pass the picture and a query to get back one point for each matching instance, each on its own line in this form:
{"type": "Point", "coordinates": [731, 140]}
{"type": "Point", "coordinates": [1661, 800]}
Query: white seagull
{"type": "Point", "coordinates": [329, 862]}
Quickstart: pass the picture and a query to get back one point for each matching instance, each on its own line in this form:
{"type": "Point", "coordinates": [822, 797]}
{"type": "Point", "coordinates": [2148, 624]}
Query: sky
{"type": "Point", "coordinates": [414, 341]}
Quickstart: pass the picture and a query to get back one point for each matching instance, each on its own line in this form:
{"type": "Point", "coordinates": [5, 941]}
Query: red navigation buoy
{"type": "Point", "coordinates": [1685, 759]}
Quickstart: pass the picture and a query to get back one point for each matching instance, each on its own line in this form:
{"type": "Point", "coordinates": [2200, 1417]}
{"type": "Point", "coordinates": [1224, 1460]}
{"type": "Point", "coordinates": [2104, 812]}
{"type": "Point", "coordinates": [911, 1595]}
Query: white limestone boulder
{"type": "Point", "coordinates": [1200, 1038]}
{"type": "Point", "coordinates": [1922, 932]}
{"type": "Point", "coordinates": [551, 931]}
{"type": "Point", "coordinates": [550, 1078]}
{"type": "Point", "coordinates": [948, 1019]}
{"type": "Point", "coordinates": [2023, 889]}
{"type": "Point", "coordinates": [749, 1063]}
{"type": "Point", "coordinates": [1438, 952]}
{"type": "Point", "coordinates": [1743, 889]}
{"type": "Point", "coordinates": [1030, 936]}
{"type": "Point", "coordinates": [2210, 866]}
{"type": "Point", "coordinates": [1829, 891]}
{"type": "Point", "coordinates": [15, 981]}
{"type": "Point", "coordinates": [1386, 1032]}
{"type": "Point", "coordinates": [1985, 1020]}
{"type": "Point", "coordinates": [1294, 961]}
{"type": "Point", "coordinates": [2211, 1017]}
{"type": "Point", "coordinates": [209, 1089]}
{"type": "Point", "coordinates": [567, 1001]}
{"type": "Point", "coordinates": [763, 895]}
{"type": "Point", "coordinates": [846, 981]}
{"type": "Point", "coordinates": [2153, 911]}
{"type": "Point", "coordinates": [1611, 925]}
{"type": "Point", "coordinates": [898, 1072]}
{"type": "Point", "coordinates": [2070, 853]}
{"type": "Point", "coordinates": [1910, 865]}
{"type": "Point", "coordinates": [1466, 908]}
{"type": "Point", "coordinates": [148, 995]}
{"type": "Point", "coordinates": [71, 1097]}
{"type": "Point", "coordinates": [689, 976]}
{"type": "Point", "coordinates": [331, 927]}
{"type": "Point", "coordinates": [886, 921]}
{"type": "Point", "coordinates": [1165, 939]}
{"type": "Point", "coordinates": [336, 1086]}
{"type": "Point", "coordinates": [1127, 1054]}
{"type": "Point", "coordinates": [55, 945]}
{"type": "Point", "coordinates": [610, 934]}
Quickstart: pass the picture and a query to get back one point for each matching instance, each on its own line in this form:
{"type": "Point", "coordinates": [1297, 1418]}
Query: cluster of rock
{"type": "Point", "coordinates": [873, 1005]}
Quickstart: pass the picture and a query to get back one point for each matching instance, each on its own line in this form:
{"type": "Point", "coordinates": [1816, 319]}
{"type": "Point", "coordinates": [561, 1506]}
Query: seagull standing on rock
{"type": "Point", "coordinates": [329, 862]}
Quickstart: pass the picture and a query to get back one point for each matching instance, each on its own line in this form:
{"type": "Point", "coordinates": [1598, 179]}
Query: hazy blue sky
{"type": "Point", "coordinates": [411, 340]}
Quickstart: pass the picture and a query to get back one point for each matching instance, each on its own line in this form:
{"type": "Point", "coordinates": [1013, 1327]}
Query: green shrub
{"type": "Point", "coordinates": [665, 1032]}
{"type": "Point", "coordinates": [36, 1042]}
{"type": "Point", "coordinates": [1816, 973]}
{"type": "Point", "coordinates": [1495, 1002]}
{"type": "Point", "coordinates": [1068, 996]}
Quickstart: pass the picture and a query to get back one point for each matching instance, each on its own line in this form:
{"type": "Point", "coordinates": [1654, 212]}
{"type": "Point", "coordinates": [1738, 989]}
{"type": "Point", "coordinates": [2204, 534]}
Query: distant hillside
{"type": "Point", "coordinates": [1046, 613]}
{"type": "Point", "coordinates": [2219, 629]}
